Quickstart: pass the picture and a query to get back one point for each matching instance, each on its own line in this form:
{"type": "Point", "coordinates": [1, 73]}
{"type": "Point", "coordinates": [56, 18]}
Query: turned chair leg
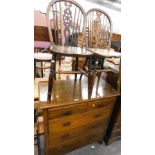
{"type": "Point", "coordinates": [50, 80]}
{"type": "Point", "coordinates": [83, 68]}
{"type": "Point", "coordinates": [76, 67]}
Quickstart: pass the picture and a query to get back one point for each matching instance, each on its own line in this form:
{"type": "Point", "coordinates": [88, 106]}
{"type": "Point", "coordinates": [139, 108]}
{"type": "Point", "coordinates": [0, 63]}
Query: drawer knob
{"type": "Point", "coordinates": [65, 136]}
{"type": "Point", "coordinates": [100, 105]}
{"type": "Point", "coordinates": [67, 113]}
{"type": "Point", "coordinates": [98, 115]}
{"type": "Point", "coordinates": [94, 126]}
{"type": "Point", "coordinates": [66, 123]}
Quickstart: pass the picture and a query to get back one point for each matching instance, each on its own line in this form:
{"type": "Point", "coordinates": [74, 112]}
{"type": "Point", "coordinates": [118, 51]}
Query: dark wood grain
{"type": "Point", "coordinates": [70, 51]}
{"type": "Point", "coordinates": [41, 33]}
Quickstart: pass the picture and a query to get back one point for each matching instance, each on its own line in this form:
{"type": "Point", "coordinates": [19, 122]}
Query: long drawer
{"type": "Point", "coordinates": [75, 143]}
{"type": "Point", "coordinates": [97, 126]}
{"type": "Point", "coordinates": [71, 122]}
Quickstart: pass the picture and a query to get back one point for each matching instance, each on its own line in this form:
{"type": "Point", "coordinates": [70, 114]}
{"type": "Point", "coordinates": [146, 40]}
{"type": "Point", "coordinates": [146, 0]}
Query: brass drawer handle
{"type": "Point", "coordinates": [98, 115]}
{"type": "Point", "coordinates": [67, 113]}
{"type": "Point", "coordinates": [65, 136]}
{"type": "Point", "coordinates": [66, 123]}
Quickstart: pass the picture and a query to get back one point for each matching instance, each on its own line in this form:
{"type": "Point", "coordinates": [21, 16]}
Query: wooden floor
{"type": "Point", "coordinates": [92, 149]}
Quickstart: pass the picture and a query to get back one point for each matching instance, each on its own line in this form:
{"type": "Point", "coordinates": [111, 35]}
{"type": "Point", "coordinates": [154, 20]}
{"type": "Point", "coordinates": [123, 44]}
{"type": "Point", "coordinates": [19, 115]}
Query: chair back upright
{"type": "Point", "coordinates": [65, 22]}
{"type": "Point", "coordinates": [97, 29]}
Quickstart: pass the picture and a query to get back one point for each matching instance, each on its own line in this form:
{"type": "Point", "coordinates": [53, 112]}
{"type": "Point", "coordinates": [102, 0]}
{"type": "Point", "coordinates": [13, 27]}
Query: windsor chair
{"type": "Point", "coordinates": [66, 18]}
{"type": "Point", "coordinates": [97, 35]}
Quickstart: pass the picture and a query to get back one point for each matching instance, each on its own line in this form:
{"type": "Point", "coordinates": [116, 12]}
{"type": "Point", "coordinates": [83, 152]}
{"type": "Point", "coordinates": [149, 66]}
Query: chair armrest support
{"type": "Point", "coordinates": [45, 50]}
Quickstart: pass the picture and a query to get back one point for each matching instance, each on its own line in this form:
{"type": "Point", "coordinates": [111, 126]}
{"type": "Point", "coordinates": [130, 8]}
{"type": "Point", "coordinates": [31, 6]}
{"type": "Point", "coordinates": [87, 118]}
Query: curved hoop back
{"type": "Point", "coordinates": [97, 29]}
{"type": "Point", "coordinates": [65, 22]}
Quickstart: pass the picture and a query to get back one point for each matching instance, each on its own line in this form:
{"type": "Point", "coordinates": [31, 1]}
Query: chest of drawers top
{"type": "Point", "coordinates": [69, 92]}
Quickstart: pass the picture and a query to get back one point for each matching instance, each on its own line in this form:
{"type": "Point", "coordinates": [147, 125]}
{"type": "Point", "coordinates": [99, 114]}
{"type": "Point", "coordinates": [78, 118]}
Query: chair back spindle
{"type": "Point", "coordinates": [65, 22]}
{"type": "Point", "coordinates": [97, 29]}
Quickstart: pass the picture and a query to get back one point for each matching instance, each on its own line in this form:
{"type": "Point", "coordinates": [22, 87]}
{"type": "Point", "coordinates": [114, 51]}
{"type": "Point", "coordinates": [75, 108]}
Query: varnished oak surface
{"type": "Point", "coordinates": [70, 51]}
{"type": "Point", "coordinates": [67, 92]}
{"type": "Point", "coordinates": [104, 52]}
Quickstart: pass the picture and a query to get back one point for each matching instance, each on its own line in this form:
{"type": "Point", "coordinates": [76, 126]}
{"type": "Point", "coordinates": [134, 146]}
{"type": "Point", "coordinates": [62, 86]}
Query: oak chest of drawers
{"type": "Point", "coordinates": [72, 126]}
{"type": "Point", "coordinates": [75, 117]}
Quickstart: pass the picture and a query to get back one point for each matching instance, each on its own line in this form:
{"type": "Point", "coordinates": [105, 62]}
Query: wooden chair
{"type": "Point", "coordinates": [65, 17]}
{"type": "Point", "coordinates": [97, 34]}
{"type": "Point", "coordinates": [41, 44]}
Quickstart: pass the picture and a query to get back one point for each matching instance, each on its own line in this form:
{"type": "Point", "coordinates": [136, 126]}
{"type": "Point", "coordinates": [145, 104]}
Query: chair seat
{"type": "Point", "coordinates": [42, 56]}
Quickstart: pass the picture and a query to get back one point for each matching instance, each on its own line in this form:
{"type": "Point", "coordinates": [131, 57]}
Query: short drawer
{"type": "Point", "coordinates": [66, 111]}
{"type": "Point", "coordinates": [107, 102]}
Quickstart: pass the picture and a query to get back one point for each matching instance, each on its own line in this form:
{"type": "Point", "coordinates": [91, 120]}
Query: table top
{"type": "Point", "coordinates": [70, 51]}
{"type": "Point", "coordinates": [68, 91]}
{"type": "Point", "coordinates": [105, 53]}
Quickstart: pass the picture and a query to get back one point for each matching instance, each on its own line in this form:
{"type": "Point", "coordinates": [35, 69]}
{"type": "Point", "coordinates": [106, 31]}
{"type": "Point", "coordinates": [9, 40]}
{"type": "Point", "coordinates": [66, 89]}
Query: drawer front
{"type": "Point", "coordinates": [96, 127]}
{"type": "Point", "coordinates": [66, 111]}
{"type": "Point", "coordinates": [75, 143]}
{"type": "Point", "coordinates": [71, 122]}
{"type": "Point", "coordinates": [107, 102]}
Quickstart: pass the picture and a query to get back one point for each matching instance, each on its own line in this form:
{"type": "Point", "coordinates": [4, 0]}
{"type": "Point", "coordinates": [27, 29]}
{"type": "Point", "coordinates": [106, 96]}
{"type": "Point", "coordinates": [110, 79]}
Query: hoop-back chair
{"type": "Point", "coordinates": [65, 17]}
{"type": "Point", "coordinates": [97, 34]}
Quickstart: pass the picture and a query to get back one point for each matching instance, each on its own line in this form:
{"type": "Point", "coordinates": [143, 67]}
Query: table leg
{"type": "Point", "coordinates": [91, 78]}
{"type": "Point", "coordinates": [76, 67]}
{"type": "Point", "coordinates": [54, 65]}
{"type": "Point", "coordinates": [50, 80]}
{"type": "Point", "coordinates": [83, 68]}
{"type": "Point", "coordinates": [42, 72]}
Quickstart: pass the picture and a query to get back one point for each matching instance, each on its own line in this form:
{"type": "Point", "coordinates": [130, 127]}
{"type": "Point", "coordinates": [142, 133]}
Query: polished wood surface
{"type": "Point", "coordinates": [71, 91]}
{"type": "Point", "coordinates": [105, 53]}
{"type": "Point", "coordinates": [70, 51]}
